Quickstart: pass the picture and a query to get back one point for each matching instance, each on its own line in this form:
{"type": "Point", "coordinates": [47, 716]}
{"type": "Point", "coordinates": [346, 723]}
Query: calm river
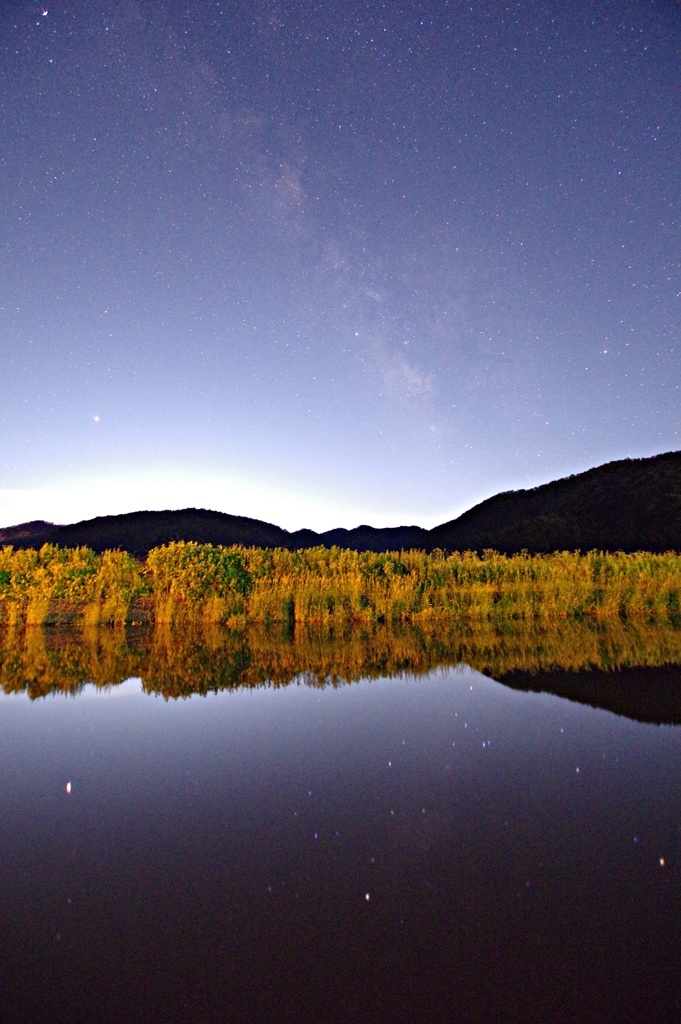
{"type": "Point", "coordinates": [433, 847]}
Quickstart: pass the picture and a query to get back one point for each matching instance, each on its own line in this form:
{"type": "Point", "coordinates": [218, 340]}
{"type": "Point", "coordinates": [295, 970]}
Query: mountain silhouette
{"type": "Point", "coordinates": [628, 505]}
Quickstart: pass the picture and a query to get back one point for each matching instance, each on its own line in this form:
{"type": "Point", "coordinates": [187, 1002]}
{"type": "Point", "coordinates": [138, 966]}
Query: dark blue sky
{"type": "Point", "coordinates": [332, 263]}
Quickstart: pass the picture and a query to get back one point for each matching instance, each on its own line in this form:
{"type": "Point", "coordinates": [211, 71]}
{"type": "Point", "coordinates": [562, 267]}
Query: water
{"type": "Point", "coordinates": [431, 848]}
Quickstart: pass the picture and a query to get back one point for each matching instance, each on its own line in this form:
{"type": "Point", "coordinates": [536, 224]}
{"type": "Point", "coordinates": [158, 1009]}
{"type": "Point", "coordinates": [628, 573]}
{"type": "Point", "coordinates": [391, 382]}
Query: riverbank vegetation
{"type": "Point", "coordinates": [187, 582]}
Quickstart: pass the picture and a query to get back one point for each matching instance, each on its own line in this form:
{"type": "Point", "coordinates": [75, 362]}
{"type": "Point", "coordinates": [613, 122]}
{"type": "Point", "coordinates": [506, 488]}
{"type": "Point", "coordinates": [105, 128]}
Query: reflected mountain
{"type": "Point", "coordinates": [644, 693]}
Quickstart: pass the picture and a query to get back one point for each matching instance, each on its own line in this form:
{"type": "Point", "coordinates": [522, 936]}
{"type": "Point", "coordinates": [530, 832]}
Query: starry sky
{"type": "Point", "coordinates": [333, 263]}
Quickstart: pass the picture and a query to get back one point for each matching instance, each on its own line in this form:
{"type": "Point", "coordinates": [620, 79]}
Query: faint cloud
{"type": "Point", "coordinates": [373, 293]}
{"type": "Point", "coordinates": [401, 375]}
{"type": "Point", "coordinates": [288, 192]}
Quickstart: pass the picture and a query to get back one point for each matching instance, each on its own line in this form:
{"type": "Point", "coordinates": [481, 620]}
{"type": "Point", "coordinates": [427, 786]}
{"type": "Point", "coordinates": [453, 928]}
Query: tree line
{"type": "Point", "coordinates": [236, 585]}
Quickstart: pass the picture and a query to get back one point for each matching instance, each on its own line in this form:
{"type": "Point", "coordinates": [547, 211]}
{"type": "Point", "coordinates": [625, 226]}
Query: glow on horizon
{"type": "Point", "coordinates": [80, 498]}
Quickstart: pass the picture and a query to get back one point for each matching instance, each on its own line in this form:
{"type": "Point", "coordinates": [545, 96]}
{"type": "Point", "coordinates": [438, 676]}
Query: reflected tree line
{"type": "Point", "coordinates": [207, 657]}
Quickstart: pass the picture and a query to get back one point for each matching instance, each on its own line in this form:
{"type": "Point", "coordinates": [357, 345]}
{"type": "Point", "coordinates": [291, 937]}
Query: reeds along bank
{"type": "Point", "coordinates": [184, 581]}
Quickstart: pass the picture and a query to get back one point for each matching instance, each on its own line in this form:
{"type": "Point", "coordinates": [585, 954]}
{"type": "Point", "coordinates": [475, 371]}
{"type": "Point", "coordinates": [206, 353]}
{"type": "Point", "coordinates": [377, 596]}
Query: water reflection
{"type": "Point", "coordinates": [420, 846]}
{"type": "Point", "coordinates": [630, 667]}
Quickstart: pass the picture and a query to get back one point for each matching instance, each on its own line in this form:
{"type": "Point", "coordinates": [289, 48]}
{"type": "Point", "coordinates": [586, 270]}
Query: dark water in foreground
{"type": "Point", "coordinates": [434, 848]}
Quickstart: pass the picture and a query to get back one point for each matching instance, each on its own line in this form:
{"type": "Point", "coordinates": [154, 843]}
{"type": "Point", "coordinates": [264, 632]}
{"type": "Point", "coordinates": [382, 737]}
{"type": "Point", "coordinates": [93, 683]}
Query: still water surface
{"type": "Point", "coordinates": [440, 848]}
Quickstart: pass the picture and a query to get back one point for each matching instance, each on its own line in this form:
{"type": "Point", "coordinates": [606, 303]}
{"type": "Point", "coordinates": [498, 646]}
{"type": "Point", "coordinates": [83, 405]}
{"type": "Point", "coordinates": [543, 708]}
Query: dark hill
{"type": "Point", "coordinates": [372, 538]}
{"type": "Point", "coordinates": [630, 505]}
{"type": "Point", "coordinates": [16, 534]}
{"type": "Point", "coordinates": [138, 532]}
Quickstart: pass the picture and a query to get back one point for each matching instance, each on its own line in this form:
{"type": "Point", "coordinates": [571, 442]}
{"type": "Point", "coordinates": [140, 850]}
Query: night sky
{"type": "Point", "coordinates": [333, 263]}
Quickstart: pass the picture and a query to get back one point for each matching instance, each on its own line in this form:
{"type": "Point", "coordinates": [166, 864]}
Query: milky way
{"type": "Point", "coordinates": [325, 264]}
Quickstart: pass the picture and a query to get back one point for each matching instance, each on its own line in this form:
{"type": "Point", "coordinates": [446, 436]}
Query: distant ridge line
{"type": "Point", "coordinates": [627, 505]}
